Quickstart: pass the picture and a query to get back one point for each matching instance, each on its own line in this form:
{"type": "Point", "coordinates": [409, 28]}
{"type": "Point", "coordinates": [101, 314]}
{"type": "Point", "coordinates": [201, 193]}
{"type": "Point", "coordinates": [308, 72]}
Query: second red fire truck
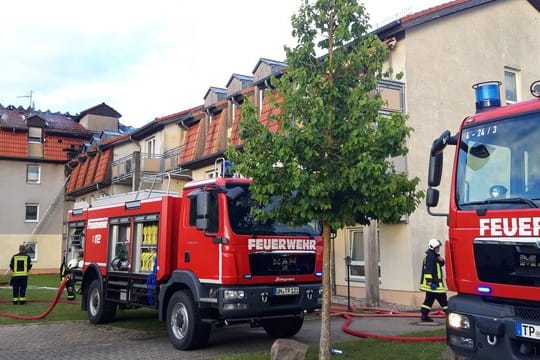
{"type": "Point", "coordinates": [200, 259]}
{"type": "Point", "coordinates": [493, 246]}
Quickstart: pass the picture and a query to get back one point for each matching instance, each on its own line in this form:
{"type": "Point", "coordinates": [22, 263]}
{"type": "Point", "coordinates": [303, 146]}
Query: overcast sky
{"type": "Point", "coordinates": [145, 59]}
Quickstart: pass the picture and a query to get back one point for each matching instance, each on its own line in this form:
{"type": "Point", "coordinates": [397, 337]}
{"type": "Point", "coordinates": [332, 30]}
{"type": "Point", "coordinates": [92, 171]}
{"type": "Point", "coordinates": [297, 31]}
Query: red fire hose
{"type": "Point", "coordinates": [46, 312]}
{"type": "Point", "coordinates": [381, 312]}
{"type": "Point", "coordinates": [370, 312]}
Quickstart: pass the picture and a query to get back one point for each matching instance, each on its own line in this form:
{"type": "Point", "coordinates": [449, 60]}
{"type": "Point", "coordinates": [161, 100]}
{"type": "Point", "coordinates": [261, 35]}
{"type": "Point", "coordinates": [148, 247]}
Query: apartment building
{"type": "Point", "coordinates": [441, 52]}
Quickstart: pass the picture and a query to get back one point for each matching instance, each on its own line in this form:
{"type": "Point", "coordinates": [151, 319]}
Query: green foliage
{"type": "Point", "coordinates": [331, 159]}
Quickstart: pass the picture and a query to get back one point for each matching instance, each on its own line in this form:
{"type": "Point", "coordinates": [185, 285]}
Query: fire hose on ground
{"type": "Point", "coordinates": [55, 301]}
{"type": "Point", "coordinates": [369, 312]}
{"type": "Point", "coordinates": [382, 312]}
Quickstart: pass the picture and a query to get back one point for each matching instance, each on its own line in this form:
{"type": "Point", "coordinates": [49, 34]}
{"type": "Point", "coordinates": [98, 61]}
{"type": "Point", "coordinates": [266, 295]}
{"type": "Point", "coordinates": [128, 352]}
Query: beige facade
{"type": "Point", "coordinates": [40, 230]}
{"type": "Point", "coordinates": [441, 60]}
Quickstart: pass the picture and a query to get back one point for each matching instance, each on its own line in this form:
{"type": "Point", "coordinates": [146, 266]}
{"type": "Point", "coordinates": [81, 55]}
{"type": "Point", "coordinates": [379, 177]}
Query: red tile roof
{"type": "Point", "coordinates": [82, 174]}
{"type": "Point", "coordinates": [92, 171]}
{"type": "Point", "coordinates": [235, 132]}
{"type": "Point", "coordinates": [60, 133]}
{"type": "Point", "coordinates": [103, 167]}
{"type": "Point", "coordinates": [269, 112]}
{"type": "Point", "coordinates": [13, 144]}
{"type": "Point", "coordinates": [72, 183]}
{"type": "Point", "coordinates": [190, 143]}
{"type": "Point", "coordinates": [215, 134]}
{"type": "Point", "coordinates": [11, 117]}
{"type": "Point", "coordinates": [432, 10]}
{"type": "Point", "coordinates": [55, 147]}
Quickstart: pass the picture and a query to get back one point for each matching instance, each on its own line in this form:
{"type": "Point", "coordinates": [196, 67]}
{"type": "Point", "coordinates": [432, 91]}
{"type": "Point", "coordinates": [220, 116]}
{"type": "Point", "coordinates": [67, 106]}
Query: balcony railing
{"type": "Point", "coordinates": [143, 165]}
{"type": "Point", "coordinates": [171, 159]}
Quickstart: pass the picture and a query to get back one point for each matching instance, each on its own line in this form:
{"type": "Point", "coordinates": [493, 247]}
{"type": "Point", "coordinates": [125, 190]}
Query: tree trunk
{"type": "Point", "coordinates": [324, 343]}
{"type": "Point", "coordinates": [372, 264]}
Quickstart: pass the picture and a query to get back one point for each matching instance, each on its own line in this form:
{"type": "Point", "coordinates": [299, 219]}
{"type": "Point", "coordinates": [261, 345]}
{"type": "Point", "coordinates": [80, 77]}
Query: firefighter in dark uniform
{"type": "Point", "coordinates": [432, 280]}
{"type": "Point", "coordinates": [67, 270]}
{"type": "Point", "coordinates": [20, 265]}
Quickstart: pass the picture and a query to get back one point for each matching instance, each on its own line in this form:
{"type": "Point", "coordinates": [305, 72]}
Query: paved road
{"type": "Point", "coordinates": [81, 340]}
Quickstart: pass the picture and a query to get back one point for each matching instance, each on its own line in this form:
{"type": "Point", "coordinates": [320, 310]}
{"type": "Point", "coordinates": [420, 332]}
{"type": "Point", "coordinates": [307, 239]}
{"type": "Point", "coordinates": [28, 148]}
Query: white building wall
{"type": "Point", "coordinates": [440, 61]}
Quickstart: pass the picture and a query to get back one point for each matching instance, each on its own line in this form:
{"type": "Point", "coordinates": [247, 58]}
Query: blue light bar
{"type": "Point", "coordinates": [247, 276]}
{"type": "Point", "coordinates": [484, 289]}
{"type": "Point", "coordinates": [487, 95]}
{"type": "Point", "coordinates": [318, 274]}
{"type": "Point", "coordinates": [226, 169]}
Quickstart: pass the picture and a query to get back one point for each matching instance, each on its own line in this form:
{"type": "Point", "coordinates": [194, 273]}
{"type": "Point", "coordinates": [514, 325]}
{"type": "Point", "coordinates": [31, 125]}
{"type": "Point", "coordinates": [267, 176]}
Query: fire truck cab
{"type": "Point", "coordinates": [493, 247]}
{"type": "Point", "coordinates": [199, 259]}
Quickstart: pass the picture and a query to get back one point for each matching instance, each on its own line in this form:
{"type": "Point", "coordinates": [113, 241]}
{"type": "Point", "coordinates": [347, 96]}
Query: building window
{"type": "Point", "coordinates": [212, 174]}
{"type": "Point", "coordinates": [393, 96]}
{"type": "Point", "coordinates": [32, 212]}
{"type": "Point", "coordinates": [33, 173]}
{"type": "Point", "coordinates": [151, 147]}
{"type": "Point", "coordinates": [35, 135]}
{"type": "Point", "coordinates": [356, 252]}
{"type": "Point", "coordinates": [31, 250]}
{"type": "Point", "coordinates": [511, 82]}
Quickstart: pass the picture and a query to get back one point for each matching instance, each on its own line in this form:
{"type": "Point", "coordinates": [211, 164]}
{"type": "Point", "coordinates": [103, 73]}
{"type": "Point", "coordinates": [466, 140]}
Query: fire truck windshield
{"type": "Point", "coordinates": [499, 164]}
{"type": "Point", "coordinates": [241, 214]}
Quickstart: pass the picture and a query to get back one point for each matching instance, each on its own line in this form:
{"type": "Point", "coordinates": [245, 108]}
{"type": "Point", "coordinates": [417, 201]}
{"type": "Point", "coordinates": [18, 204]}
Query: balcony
{"type": "Point", "coordinates": [123, 170]}
{"type": "Point", "coordinates": [143, 166]}
{"type": "Point", "coordinates": [171, 159]}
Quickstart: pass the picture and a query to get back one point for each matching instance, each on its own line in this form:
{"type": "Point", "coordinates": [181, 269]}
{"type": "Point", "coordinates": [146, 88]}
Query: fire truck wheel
{"type": "Point", "coordinates": [184, 326]}
{"type": "Point", "coordinates": [284, 327]}
{"type": "Point", "coordinates": [99, 310]}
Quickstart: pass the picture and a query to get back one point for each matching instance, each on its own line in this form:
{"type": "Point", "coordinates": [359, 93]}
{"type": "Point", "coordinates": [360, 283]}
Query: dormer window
{"type": "Point", "coordinates": [35, 135]}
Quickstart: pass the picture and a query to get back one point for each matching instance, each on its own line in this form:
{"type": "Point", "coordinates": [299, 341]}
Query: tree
{"type": "Point", "coordinates": [331, 157]}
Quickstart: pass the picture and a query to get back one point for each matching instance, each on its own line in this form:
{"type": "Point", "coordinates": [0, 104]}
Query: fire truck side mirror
{"type": "Point", "coordinates": [432, 197]}
{"type": "Point", "coordinates": [203, 208]}
{"type": "Point", "coordinates": [435, 169]}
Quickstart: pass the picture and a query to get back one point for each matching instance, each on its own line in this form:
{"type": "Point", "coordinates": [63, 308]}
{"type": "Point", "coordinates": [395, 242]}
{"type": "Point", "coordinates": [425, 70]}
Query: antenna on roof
{"type": "Point", "coordinates": [29, 96]}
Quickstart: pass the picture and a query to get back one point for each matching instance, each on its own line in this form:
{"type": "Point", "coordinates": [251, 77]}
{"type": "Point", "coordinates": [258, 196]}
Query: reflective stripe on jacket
{"type": "Point", "coordinates": [431, 272]}
{"type": "Point", "coordinates": [20, 264]}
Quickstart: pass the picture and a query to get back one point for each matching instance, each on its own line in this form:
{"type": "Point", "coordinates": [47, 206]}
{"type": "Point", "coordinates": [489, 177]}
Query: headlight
{"type": "Point", "coordinates": [233, 294]}
{"type": "Point", "coordinates": [458, 321]}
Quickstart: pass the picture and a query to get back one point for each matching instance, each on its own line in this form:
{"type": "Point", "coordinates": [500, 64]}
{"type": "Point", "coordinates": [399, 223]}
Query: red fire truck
{"type": "Point", "coordinates": [200, 259]}
{"type": "Point", "coordinates": [493, 246]}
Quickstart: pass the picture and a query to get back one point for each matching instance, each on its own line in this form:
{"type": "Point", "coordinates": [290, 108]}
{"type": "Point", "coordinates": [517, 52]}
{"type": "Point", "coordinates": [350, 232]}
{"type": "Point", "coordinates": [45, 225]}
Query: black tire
{"type": "Point", "coordinates": [283, 327]}
{"type": "Point", "coordinates": [99, 311]}
{"type": "Point", "coordinates": [185, 329]}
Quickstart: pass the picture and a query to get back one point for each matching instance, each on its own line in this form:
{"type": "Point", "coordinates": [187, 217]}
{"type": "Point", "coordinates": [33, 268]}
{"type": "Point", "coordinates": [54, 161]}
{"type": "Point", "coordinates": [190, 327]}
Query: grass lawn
{"type": "Point", "coordinates": [41, 291]}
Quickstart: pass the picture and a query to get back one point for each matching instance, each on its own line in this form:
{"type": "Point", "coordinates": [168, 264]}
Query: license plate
{"type": "Point", "coordinates": [528, 330]}
{"type": "Point", "coordinates": [292, 290]}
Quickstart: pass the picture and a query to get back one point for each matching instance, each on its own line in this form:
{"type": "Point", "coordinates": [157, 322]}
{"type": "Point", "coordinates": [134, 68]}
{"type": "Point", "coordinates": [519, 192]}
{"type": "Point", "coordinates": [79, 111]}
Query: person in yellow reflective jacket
{"type": "Point", "coordinates": [20, 265]}
{"type": "Point", "coordinates": [432, 280]}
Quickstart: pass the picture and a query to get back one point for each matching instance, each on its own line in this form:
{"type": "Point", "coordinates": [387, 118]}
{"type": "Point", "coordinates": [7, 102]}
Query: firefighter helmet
{"type": "Point", "coordinates": [72, 264]}
{"type": "Point", "coordinates": [434, 243]}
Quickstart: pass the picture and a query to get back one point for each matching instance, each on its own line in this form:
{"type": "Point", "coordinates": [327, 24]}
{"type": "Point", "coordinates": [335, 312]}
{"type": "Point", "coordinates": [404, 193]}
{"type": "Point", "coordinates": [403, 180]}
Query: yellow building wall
{"type": "Point", "coordinates": [48, 251]}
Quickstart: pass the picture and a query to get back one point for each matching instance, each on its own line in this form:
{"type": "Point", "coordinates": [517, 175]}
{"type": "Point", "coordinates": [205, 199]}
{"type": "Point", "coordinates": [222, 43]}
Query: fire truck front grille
{"type": "Point", "coordinates": [528, 313]}
{"type": "Point", "coordinates": [281, 264]}
{"type": "Point", "coordinates": [508, 264]}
